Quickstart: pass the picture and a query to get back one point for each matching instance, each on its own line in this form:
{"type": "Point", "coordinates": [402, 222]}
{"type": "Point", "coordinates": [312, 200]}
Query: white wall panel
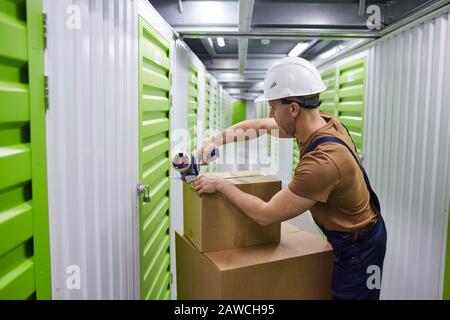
{"type": "Point", "coordinates": [182, 57]}
{"type": "Point", "coordinates": [179, 144]}
{"type": "Point", "coordinates": [91, 143]}
{"type": "Point", "coordinates": [407, 154]}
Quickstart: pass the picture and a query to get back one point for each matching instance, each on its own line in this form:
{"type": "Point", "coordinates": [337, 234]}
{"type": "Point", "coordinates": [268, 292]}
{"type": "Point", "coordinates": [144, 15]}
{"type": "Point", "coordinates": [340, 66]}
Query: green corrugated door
{"type": "Point", "coordinates": [351, 93]}
{"type": "Point", "coordinates": [207, 112]}
{"type": "Point", "coordinates": [192, 106]}
{"type": "Point", "coordinates": [296, 155]}
{"type": "Point", "coordinates": [222, 110]}
{"type": "Point", "coordinates": [329, 97]}
{"type": "Point", "coordinates": [266, 110]}
{"type": "Point", "coordinates": [262, 112]}
{"type": "Point", "coordinates": [154, 104]}
{"type": "Point", "coordinates": [220, 113]}
{"type": "Point", "coordinates": [24, 238]}
{"type": "Point", "coordinates": [229, 111]}
{"type": "Point", "coordinates": [207, 102]}
{"type": "Point", "coordinates": [215, 107]}
{"type": "Point", "coordinates": [239, 111]}
{"type": "Point", "coordinates": [446, 289]}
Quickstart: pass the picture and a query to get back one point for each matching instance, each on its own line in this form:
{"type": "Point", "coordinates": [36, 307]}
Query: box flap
{"type": "Point", "coordinates": [292, 245]}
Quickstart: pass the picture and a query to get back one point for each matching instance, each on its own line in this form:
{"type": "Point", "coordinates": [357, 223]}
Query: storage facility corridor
{"type": "Point", "coordinates": [107, 108]}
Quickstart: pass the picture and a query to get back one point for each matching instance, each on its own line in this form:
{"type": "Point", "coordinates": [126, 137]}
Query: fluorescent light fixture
{"type": "Point", "coordinates": [298, 49]}
{"type": "Point", "coordinates": [330, 53]}
{"type": "Point", "coordinates": [221, 42]}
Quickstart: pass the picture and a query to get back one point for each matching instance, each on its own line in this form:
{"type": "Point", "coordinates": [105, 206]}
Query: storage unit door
{"type": "Point", "coordinates": [296, 155]}
{"type": "Point", "coordinates": [207, 103]}
{"type": "Point", "coordinates": [351, 94]}
{"type": "Point", "coordinates": [154, 104]}
{"type": "Point", "coordinates": [24, 239]}
{"type": "Point", "coordinates": [328, 98]}
{"type": "Point", "coordinates": [214, 107]}
{"type": "Point", "coordinates": [192, 106]}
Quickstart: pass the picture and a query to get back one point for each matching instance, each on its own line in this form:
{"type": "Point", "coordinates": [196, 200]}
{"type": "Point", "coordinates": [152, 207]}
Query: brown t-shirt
{"type": "Point", "coordinates": [331, 176]}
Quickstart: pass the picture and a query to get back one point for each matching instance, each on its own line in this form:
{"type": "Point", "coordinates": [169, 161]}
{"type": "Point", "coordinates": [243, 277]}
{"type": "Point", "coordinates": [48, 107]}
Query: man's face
{"type": "Point", "coordinates": [283, 115]}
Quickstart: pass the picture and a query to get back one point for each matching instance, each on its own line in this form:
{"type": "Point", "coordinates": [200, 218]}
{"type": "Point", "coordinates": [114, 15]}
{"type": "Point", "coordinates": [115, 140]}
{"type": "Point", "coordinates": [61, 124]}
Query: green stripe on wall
{"type": "Point", "coordinates": [446, 294]}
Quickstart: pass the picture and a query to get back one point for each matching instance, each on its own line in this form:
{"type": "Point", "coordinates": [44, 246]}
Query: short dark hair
{"type": "Point", "coordinates": [307, 102]}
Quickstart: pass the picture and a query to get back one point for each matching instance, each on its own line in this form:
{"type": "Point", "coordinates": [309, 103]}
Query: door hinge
{"type": "Point", "coordinates": [44, 24]}
{"type": "Point", "coordinates": [46, 93]}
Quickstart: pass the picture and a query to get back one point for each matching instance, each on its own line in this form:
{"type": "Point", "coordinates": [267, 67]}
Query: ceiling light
{"type": "Point", "coordinates": [330, 53]}
{"type": "Point", "coordinates": [265, 42]}
{"type": "Point", "coordinates": [298, 49]}
{"type": "Point", "coordinates": [221, 42]}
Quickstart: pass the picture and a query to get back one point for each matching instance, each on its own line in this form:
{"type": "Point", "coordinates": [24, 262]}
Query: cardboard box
{"type": "Point", "coordinates": [213, 223]}
{"type": "Point", "coordinates": [299, 267]}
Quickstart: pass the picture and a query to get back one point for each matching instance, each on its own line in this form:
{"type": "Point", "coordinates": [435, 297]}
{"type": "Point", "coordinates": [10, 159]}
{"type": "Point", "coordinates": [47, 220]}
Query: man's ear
{"type": "Point", "coordinates": [295, 109]}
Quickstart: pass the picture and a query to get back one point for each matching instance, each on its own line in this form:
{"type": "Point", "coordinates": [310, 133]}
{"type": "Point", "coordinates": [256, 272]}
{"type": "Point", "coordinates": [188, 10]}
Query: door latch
{"type": "Point", "coordinates": [145, 190]}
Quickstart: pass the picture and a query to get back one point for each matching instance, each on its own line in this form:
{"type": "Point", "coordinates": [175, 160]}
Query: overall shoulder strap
{"type": "Point", "coordinates": [313, 146]}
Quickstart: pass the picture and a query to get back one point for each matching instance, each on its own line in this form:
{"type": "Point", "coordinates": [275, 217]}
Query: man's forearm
{"type": "Point", "coordinates": [242, 131]}
{"type": "Point", "coordinates": [252, 206]}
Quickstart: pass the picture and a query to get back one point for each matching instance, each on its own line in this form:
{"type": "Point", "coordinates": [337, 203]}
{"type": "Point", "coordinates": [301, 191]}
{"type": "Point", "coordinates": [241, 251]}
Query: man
{"type": "Point", "coordinates": [328, 180]}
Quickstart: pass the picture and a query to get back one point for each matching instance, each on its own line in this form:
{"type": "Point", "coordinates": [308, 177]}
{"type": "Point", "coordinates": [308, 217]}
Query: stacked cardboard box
{"type": "Point", "coordinates": [225, 255]}
{"type": "Point", "coordinates": [213, 223]}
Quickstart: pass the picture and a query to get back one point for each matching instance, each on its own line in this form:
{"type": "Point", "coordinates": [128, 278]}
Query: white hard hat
{"type": "Point", "coordinates": [291, 77]}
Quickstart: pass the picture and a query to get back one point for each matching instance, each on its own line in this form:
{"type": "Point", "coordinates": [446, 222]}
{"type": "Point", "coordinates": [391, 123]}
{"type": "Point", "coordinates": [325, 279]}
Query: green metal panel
{"type": "Point", "coordinates": [214, 107]}
{"type": "Point", "coordinates": [213, 115]}
{"type": "Point", "coordinates": [154, 143]}
{"type": "Point", "coordinates": [446, 293]}
{"type": "Point", "coordinates": [351, 93]}
{"type": "Point", "coordinates": [222, 103]}
{"type": "Point", "coordinates": [266, 110]}
{"type": "Point", "coordinates": [239, 111]}
{"type": "Point", "coordinates": [192, 105]}
{"type": "Point", "coordinates": [220, 116]}
{"type": "Point", "coordinates": [24, 237]}
{"type": "Point", "coordinates": [207, 111]}
{"type": "Point", "coordinates": [262, 111]}
{"type": "Point", "coordinates": [295, 156]}
{"type": "Point", "coordinates": [329, 97]}
{"type": "Point", "coordinates": [207, 102]}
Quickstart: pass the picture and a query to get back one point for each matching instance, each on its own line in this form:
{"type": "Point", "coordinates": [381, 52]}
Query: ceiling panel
{"type": "Point", "coordinates": [275, 47]}
{"type": "Point", "coordinates": [231, 46]}
{"type": "Point", "coordinates": [324, 23]}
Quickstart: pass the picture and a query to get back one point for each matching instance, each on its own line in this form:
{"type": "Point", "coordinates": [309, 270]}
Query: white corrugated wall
{"type": "Point", "coordinates": [179, 143]}
{"type": "Point", "coordinates": [407, 153]}
{"type": "Point", "coordinates": [182, 57]}
{"type": "Point", "coordinates": [92, 151]}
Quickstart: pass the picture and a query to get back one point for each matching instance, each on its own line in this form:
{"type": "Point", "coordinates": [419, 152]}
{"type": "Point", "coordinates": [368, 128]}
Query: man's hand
{"type": "Point", "coordinates": [204, 151]}
{"type": "Point", "coordinates": [208, 184]}
{"type": "Point", "coordinates": [283, 206]}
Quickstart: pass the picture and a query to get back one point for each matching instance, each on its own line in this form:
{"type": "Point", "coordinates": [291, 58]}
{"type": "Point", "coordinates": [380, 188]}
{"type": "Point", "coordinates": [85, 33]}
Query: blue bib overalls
{"type": "Point", "coordinates": [359, 261]}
